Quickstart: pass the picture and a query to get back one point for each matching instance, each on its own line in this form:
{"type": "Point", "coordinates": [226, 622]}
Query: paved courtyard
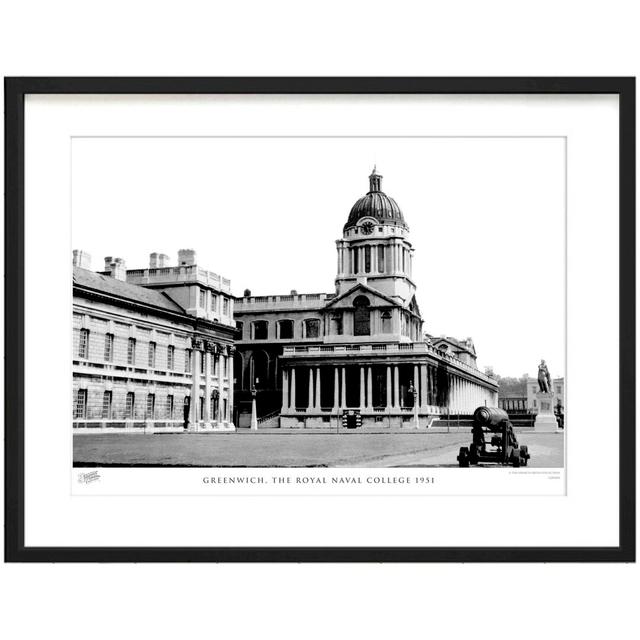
{"type": "Point", "coordinates": [285, 449]}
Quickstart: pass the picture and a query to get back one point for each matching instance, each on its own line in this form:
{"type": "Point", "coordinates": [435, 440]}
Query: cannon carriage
{"type": "Point", "coordinates": [494, 441]}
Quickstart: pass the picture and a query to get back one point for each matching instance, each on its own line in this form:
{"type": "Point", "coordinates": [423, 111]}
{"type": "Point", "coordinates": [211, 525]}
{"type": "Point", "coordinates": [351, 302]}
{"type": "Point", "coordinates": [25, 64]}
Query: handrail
{"type": "Point", "coordinates": [268, 416]}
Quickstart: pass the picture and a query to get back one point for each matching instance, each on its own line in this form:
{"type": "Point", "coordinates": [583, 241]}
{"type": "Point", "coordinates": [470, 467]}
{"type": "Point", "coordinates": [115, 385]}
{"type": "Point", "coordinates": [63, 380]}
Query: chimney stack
{"type": "Point", "coordinates": [116, 268]}
{"type": "Point", "coordinates": [81, 259]}
{"type": "Point", "coordinates": [186, 257]}
{"type": "Point", "coordinates": [158, 260]}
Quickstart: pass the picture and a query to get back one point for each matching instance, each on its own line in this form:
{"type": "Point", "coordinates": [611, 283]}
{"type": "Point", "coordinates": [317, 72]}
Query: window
{"type": "Point", "coordinates": [214, 303]}
{"type": "Point", "coordinates": [187, 360]}
{"type": "Point", "coordinates": [152, 355]}
{"type": "Point", "coordinates": [260, 330]}
{"type": "Point", "coordinates": [380, 259]}
{"type": "Point", "coordinates": [129, 405]}
{"type": "Point", "coordinates": [80, 405]}
{"type": "Point", "coordinates": [151, 406]}
{"type": "Point", "coordinates": [367, 259]}
{"type": "Point", "coordinates": [203, 299]}
{"type": "Point", "coordinates": [559, 390]}
{"type": "Point", "coordinates": [356, 266]}
{"type": "Point", "coordinates": [106, 405]}
{"type": "Point", "coordinates": [239, 329]}
{"type": "Point", "coordinates": [202, 363]}
{"type": "Point", "coordinates": [213, 406]}
{"type": "Point", "coordinates": [170, 407]}
{"type": "Point", "coordinates": [131, 351]}
{"type": "Point", "coordinates": [312, 328]}
{"type": "Point", "coordinates": [225, 306]}
{"type": "Point", "coordinates": [83, 346]}
{"type": "Point", "coordinates": [285, 329]}
{"type": "Point", "coordinates": [213, 364]}
{"type": "Point", "coordinates": [108, 347]}
{"type": "Point", "coordinates": [386, 321]}
{"type": "Point", "coordinates": [336, 324]}
{"type": "Point", "coordinates": [362, 317]}
{"type": "Point", "coordinates": [171, 354]}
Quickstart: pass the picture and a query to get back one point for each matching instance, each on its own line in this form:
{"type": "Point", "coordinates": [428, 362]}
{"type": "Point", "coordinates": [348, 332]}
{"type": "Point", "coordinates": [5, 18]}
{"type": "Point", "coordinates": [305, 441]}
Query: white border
{"type": "Point", "coordinates": [587, 516]}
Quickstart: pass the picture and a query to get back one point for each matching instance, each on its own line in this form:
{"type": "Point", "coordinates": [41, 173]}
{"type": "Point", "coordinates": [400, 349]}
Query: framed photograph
{"type": "Point", "coordinates": [320, 319]}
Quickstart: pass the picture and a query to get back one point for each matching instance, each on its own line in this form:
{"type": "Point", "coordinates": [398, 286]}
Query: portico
{"type": "Point", "coordinates": [378, 380]}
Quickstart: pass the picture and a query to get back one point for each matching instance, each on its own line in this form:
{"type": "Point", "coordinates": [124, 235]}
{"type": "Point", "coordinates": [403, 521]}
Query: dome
{"type": "Point", "coordinates": [376, 204]}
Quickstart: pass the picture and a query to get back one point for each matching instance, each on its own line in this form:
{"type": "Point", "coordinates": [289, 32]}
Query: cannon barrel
{"type": "Point", "coordinates": [489, 416]}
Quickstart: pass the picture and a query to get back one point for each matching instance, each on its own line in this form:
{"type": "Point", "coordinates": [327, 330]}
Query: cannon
{"type": "Point", "coordinates": [502, 446]}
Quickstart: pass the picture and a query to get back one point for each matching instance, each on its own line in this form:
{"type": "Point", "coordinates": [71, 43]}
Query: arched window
{"type": "Point", "coordinates": [285, 329]}
{"type": "Point", "coordinates": [261, 370]}
{"type": "Point", "coordinates": [386, 321]}
{"type": "Point", "coordinates": [362, 316]}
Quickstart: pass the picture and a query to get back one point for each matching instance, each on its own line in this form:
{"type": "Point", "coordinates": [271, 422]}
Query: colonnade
{"type": "Point", "coordinates": [218, 359]}
{"type": "Point", "coordinates": [433, 390]}
{"type": "Point", "coordinates": [384, 257]}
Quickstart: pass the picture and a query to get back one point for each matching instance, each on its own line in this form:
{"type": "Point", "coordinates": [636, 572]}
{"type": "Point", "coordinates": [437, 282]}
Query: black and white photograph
{"type": "Point", "coordinates": [319, 301]}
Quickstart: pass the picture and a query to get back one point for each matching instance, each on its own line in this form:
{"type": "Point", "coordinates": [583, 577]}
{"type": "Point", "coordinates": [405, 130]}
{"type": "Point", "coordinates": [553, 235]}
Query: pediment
{"type": "Point", "coordinates": [376, 299]}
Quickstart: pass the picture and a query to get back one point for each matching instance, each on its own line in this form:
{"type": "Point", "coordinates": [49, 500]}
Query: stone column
{"type": "Point", "coordinates": [285, 390]}
{"type": "Point", "coordinates": [424, 387]}
{"type": "Point", "coordinates": [336, 389]}
{"type": "Point", "coordinates": [389, 397]}
{"type": "Point", "coordinates": [292, 401]}
{"type": "Point", "coordinates": [231, 351]}
{"type": "Point", "coordinates": [362, 401]}
{"type": "Point", "coordinates": [343, 401]}
{"type": "Point", "coordinates": [416, 385]}
{"type": "Point", "coordinates": [396, 387]}
{"type": "Point", "coordinates": [195, 383]}
{"type": "Point", "coordinates": [369, 388]}
{"type": "Point", "coordinates": [221, 350]}
{"type": "Point", "coordinates": [207, 386]}
{"type": "Point", "coordinates": [318, 401]}
{"type": "Point", "coordinates": [310, 403]}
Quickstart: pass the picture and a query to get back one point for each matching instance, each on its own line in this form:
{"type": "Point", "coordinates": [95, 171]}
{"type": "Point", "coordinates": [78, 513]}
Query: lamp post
{"type": "Point", "coordinates": [254, 411]}
{"type": "Point", "coordinates": [414, 391]}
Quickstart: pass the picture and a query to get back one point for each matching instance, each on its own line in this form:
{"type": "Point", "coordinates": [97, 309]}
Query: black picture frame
{"type": "Point", "coordinates": [15, 91]}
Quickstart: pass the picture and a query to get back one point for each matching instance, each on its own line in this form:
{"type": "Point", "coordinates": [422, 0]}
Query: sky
{"type": "Point", "coordinates": [486, 217]}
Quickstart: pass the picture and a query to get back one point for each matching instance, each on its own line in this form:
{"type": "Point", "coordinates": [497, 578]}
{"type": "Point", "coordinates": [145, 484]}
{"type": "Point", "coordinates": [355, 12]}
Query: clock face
{"type": "Point", "coordinates": [367, 227]}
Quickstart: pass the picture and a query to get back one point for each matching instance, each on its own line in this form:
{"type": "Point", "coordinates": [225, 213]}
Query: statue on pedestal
{"type": "Point", "coordinates": [544, 378]}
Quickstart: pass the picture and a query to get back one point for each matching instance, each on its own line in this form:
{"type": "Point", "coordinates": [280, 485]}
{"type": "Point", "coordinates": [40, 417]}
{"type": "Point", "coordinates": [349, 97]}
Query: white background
{"type": "Point", "coordinates": [489, 38]}
{"type": "Point", "coordinates": [486, 217]}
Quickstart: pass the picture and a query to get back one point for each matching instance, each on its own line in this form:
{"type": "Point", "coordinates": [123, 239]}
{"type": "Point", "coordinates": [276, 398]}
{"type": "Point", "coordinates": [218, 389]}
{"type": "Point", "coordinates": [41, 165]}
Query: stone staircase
{"type": "Point", "coordinates": [270, 421]}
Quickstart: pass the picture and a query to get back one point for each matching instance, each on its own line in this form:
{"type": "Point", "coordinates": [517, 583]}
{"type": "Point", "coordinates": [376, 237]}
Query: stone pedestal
{"type": "Point", "coordinates": [254, 415]}
{"type": "Point", "coordinates": [545, 419]}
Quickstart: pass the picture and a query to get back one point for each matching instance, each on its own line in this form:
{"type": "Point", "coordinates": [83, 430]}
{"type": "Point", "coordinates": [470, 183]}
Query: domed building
{"type": "Point", "coordinates": [307, 359]}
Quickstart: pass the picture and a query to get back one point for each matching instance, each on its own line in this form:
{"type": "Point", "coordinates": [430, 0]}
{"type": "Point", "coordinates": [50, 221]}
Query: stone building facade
{"type": "Point", "coordinates": [312, 356]}
{"type": "Point", "coordinates": [525, 401]}
{"type": "Point", "coordinates": [152, 348]}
